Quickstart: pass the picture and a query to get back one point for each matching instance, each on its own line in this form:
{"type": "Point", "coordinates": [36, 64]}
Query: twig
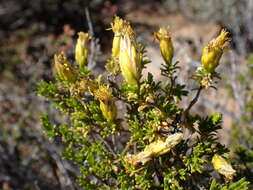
{"type": "Point", "coordinates": [107, 145]}
{"type": "Point", "coordinates": [114, 142]}
{"type": "Point", "coordinates": [129, 144]}
{"type": "Point", "coordinates": [87, 14]}
{"type": "Point", "coordinates": [194, 100]}
{"type": "Point", "coordinates": [93, 45]}
{"type": "Point", "coordinates": [100, 180]}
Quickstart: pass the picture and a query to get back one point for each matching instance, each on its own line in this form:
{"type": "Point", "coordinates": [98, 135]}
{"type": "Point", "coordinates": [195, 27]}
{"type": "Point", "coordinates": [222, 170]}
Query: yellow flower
{"type": "Point", "coordinates": [223, 167]}
{"type": "Point", "coordinates": [107, 103]}
{"type": "Point", "coordinates": [154, 149]}
{"type": "Point", "coordinates": [117, 27]}
{"type": "Point", "coordinates": [81, 51]}
{"type": "Point", "coordinates": [124, 51]}
{"type": "Point", "coordinates": [129, 57]}
{"type": "Point", "coordinates": [64, 69]}
{"type": "Point", "coordinates": [212, 53]}
{"type": "Point", "coordinates": [166, 46]}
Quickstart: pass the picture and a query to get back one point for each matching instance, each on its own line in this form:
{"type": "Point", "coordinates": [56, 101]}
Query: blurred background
{"type": "Point", "coordinates": [31, 32]}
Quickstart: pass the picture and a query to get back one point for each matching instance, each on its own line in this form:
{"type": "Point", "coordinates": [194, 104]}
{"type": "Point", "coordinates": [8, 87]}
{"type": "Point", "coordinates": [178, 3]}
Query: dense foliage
{"type": "Point", "coordinates": [135, 134]}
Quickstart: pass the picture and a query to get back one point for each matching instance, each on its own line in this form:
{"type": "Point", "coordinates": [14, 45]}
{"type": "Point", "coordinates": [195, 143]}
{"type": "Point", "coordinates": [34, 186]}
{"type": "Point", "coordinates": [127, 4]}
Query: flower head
{"type": "Point", "coordinates": [154, 149]}
{"type": "Point", "coordinates": [81, 51]}
{"type": "Point", "coordinates": [223, 167]}
{"type": "Point", "coordinates": [166, 46]}
{"type": "Point", "coordinates": [212, 53]}
{"type": "Point", "coordinates": [117, 27]}
{"type": "Point", "coordinates": [64, 69]}
{"type": "Point", "coordinates": [107, 103]}
{"type": "Point", "coordinates": [129, 57]}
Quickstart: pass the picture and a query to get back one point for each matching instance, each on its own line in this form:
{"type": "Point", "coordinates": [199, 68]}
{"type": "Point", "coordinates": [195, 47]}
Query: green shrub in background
{"type": "Point", "coordinates": [135, 134]}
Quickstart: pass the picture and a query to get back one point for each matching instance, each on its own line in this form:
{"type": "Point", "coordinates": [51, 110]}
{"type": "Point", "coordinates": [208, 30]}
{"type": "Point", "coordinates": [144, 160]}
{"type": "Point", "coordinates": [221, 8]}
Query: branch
{"type": "Point", "coordinates": [107, 145]}
{"type": "Point", "coordinates": [87, 14]}
{"type": "Point", "coordinates": [129, 144]}
{"type": "Point", "coordinates": [94, 48]}
{"type": "Point", "coordinates": [194, 100]}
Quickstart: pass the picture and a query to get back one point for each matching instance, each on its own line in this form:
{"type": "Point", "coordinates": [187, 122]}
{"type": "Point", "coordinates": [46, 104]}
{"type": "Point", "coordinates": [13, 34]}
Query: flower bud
{"type": "Point", "coordinates": [166, 46]}
{"type": "Point", "coordinates": [212, 53]}
{"type": "Point", "coordinates": [64, 69]}
{"type": "Point", "coordinates": [223, 167]}
{"type": "Point", "coordinates": [107, 103]}
{"type": "Point", "coordinates": [154, 149]}
{"type": "Point", "coordinates": [117, 27]}
{"type": "Point", "coordinates": [81, 51]}
{"type": "Point", "coordinates": [129, 57]}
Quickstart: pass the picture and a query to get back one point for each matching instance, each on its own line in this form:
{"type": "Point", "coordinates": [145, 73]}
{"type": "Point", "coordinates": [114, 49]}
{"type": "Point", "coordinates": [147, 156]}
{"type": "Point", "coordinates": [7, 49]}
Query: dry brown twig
{"type": "Point", "coordinates": [94, 45]}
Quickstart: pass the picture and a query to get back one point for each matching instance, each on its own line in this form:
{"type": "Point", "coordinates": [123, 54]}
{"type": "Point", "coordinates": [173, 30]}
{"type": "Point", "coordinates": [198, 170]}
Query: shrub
{"type": "Point", "coordinates": [135, 134]}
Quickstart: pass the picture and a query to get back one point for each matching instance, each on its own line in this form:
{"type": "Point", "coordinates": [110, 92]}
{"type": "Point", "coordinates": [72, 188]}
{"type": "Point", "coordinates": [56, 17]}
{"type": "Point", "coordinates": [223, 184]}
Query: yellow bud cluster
{"type": "Point", "coordinates": [64, 69]}
{"type": "Point", "coordinates": [166, 46]}
{"type": "Point", "coordinates": [212, 53]}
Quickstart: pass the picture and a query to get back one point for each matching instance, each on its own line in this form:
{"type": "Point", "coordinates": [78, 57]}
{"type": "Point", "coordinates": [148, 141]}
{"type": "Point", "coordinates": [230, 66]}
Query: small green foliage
{"type": "Point", "coordinates": [50, 129]}
{"type": "Point", "coordinates": [195, 161]}
{"type": "Point", "coordinates": [48, 90]}
{"type": "Point", "coordinates": [209, 126]}
{"type": "Point", "coordinates": [242, 184]}
{"type": "Point", "coordinates": [170, 180]}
